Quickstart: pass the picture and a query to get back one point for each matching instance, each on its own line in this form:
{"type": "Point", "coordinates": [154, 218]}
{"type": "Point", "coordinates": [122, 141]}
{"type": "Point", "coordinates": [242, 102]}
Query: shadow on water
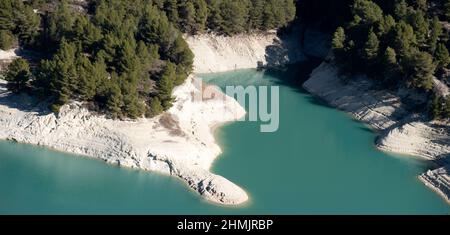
{"type": "Point", "coordinates": [294, 75]}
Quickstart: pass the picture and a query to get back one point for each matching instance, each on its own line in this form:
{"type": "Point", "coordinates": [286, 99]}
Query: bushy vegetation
{"type": "Point", "coordinates": [17, 20]}
{"type": "Point", "coordinates": [123, 57]}
{"type": "Point", "coordinates": [228, 16]}
{"type": "Point", "coordinates": [398, 43]}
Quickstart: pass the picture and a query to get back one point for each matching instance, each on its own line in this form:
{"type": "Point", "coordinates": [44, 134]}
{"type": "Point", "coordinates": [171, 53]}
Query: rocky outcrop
{"type": "Point", "coordinates": [178, 143]}
{"type": "Point", "coordinates": [357, 96]}
{"type": "Point", "coordinates": [430, 140]}
{"type": "Point", "coordinates": [6, 57]}
{"type": "Point", "coordinates": [215, 53]}
{"type": "Point", "coordinates": [401, 131]}
{"type": "Point", "coordinates": [438, 180]}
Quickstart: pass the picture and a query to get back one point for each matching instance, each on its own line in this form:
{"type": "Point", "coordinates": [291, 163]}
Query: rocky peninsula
{"type": "Point", "coordinates": [179, 142]}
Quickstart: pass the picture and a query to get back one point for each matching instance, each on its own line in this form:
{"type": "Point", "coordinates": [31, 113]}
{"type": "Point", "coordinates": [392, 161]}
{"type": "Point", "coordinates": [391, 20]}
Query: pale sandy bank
{"type": "Point", "coordinates": [178, 142]}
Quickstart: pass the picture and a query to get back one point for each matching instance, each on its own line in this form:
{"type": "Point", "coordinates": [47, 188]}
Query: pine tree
{"type": "Point", "coordinates": [127, 61]}
{"type": "Point", "coordinates": [171, 8]}
{"type": "Point", "coordinates": [60, 24]}
{"type": "Point", "coordinates": [435, 108]}
{"type": "Point", "coordinates": [201, 15]}
{"type": "Point", "coordinates": [233, 13]}
{"type": "Point", "coordinates": [188, 15]}
{"type": "Point", "coordinates": [420, 69]}
{"type": "Point", "coordinates": [421, 5]}
{"type": "Point", "coordinates": [179, 53]}
{"type": "Point", "coordinates": [404, 39]}
{"type": "Point", "coordinates": [63, 73]}
{"type": "Point", "coordinates": [27, 25]}
{"type": "Point", "coordinates": [371, 47]}
{"type": "Point", "coordinates": [256, 15]}
{"type": "Point", "coordinates": [390, 57]}
{"type": "Point", "coordinates": [338, 39]}
{"type": "Point", "coordinates": [165, 86]}
{"type": "Point", "coordinates": [401, 9]}
{"type": "Point", "coordinates": [390, 64]}
{"type": "Point", "coordinates": [155, 107]}
{"type": "Point", "coordinates": [114, 98]}
{"type": "Point", "coordinates": [368, 11]}
{"type": "Point", "coordinates": [442, 56]}
{"type": "Point", "coordinates": [386, 25]}
{"type": "Point", "coordinates": [87, 80]}
{"type": "Point", "coordinates": [436, 32]}
{"type": "Point", "coordinates": [18, 75]}
{"type": "Point", "coordinates": [7, 40]}
{"type": "Point", "coordinates": [420, 25]}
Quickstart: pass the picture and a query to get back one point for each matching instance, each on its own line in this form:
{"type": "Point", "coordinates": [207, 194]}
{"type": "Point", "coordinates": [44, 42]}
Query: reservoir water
{"type": "Point", "coordinates": [320, 161]}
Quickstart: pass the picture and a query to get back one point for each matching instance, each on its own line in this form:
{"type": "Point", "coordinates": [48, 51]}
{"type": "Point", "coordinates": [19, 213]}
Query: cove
{"type": "Point", "coordinates": [320, 161]}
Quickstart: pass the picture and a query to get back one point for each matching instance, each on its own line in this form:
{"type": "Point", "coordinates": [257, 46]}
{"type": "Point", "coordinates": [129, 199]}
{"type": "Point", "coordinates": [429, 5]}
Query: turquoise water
{"type": "Point", "coordinates": [319, 162]}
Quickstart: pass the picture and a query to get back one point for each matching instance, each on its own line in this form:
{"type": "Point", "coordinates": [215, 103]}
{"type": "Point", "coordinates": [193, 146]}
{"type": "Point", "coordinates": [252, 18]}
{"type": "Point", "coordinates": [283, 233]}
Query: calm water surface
{"type": "Point", "coordinates": [320, 161]}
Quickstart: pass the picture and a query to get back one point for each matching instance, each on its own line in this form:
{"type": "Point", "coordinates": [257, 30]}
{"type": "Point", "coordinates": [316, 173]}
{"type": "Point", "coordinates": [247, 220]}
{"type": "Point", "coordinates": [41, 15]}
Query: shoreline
{"type": "Point", "coordinates": [178, 143]}
{"type": "Point", "coordinates": [398, 131]}
{"type": "Point", "coordinates": [127, 143]}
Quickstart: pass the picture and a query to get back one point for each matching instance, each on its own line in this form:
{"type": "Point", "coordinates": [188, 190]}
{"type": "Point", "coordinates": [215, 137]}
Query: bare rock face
{"type": "Point", "coordinates": [438, 180]}
{"type": "Point", "coordinates": [214, 53]}
{"type": "Point", "coordinates": [430, 140]}
{"type": "Point", "coordinates": [357, 96]}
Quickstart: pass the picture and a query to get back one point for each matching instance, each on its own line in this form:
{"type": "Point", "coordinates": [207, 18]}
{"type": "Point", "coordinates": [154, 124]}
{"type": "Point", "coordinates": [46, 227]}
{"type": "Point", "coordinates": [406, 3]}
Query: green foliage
{"type": "Point", "coordinates": [155, 107]}
{"type": "Point", "coordinates": [436, 32]}
{"type": "Point", "coordinates": [420, 25]}
{"type": "Point", "coordinates": [124, 57]}
{"type": "Point", "coordinates": [401, 9]}
{"type": "Point", "coordinates": [390, 57]}
{"type": "Point", "coordinates": [402, 42]}
{"type": "Point", "coordinates": [371, 46]}
{"type": "Point", "coordinates": [165, 86]}
{"type": "Point", "coordinates": [390, 65]}
{"type": "Point", "coordinates": [421, 5]}
{"type": "Point", "coordinates": [18, 75]}
{"type": "Point", "coordinates": [20, 19]}
{"type": "Point", "coordinates": [338, 39]}
{"type": "Point", "coordinates": [439, 107]}
{"type": "Point", "coordinates": [230, 16]}
{"type": "Point", "coordinates": [386, 25]}
{"type": "Point", "coordinates": [367, 12]}
{"type": "Point", "coordinates": [114, 96]}
{"type": "Point", "coordinates": [442, 56]}
{"type": "Point", "coordinates": [7, 40]}
{"type": "Point", "coordinates": [109, 56]}
{"type": "Point", "coordinates": [419, 69]}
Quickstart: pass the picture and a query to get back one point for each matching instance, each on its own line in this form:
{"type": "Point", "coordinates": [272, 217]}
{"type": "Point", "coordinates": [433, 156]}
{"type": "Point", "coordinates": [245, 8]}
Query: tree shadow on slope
{"type": "Point", "coordinates": [22, 102]}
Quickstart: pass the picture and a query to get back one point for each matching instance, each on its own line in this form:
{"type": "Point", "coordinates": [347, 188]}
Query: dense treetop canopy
{"type": "Point", "coordinates": [400, 43]}
{"type": "Point", "coordinates": [121, 57]}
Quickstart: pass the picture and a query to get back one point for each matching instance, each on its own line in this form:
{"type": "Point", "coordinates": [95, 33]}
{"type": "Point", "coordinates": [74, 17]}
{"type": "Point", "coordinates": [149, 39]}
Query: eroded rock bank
{"type": "Point", "coordinates": [215, 53]}
{"type": "Point", "coordinates": [401, 130]}
{"type": "Point", "coordinates": [178, 143]}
